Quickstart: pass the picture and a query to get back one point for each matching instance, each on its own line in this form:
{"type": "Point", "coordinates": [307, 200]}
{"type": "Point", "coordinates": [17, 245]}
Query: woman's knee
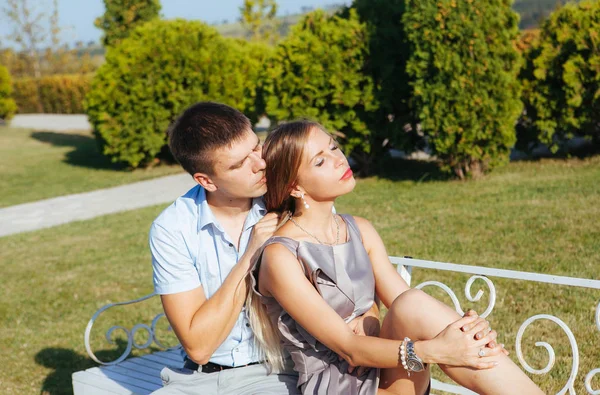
{"type": "Point", "coordinates": [401, 314]}
{"type": "Point", "coordinates": [415, 312]}
{"type": "Point", "coordinates": [407, 303]}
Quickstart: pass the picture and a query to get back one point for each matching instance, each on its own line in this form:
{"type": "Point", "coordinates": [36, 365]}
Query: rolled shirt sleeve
{"type": "Point", "coordinates": [173, 267]}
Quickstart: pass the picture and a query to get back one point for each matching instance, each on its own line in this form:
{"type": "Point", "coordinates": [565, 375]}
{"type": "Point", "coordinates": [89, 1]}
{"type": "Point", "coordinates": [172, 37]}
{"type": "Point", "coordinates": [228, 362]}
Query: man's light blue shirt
{"type": "Point", "coordinates": [190, 249]}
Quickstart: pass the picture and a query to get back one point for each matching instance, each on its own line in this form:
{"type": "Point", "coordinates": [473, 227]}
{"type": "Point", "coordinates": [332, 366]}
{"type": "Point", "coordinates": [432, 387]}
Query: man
{"type": "Point", "coordinates": [202, 247]}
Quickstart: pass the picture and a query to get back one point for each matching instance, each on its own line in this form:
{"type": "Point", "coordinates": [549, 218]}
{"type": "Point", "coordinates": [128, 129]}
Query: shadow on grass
{"type": "Point", "coordinates": [85, 151]}
{"type": "Point", "coordinates": [65, 362]}
{"type": "Point", "coordinates": [396, 169]}
{"type": "Point", "coordinates": [576, 147]}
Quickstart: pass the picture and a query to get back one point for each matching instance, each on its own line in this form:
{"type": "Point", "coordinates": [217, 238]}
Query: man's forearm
{"type": "Point", "coordinates": [215, 319]}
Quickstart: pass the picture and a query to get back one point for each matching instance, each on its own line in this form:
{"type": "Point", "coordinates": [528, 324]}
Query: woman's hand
{"type": "Point", "coordinates": [482, 333]}
{"type": "Point", "coordinates": [365, 325]}
{"type": "Point", "coordinates": [456, 345]}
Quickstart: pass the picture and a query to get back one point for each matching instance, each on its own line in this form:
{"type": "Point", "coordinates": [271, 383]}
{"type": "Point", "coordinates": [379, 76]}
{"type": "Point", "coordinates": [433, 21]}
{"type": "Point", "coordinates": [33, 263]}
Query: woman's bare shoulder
{"type": "Point", "coordinates": [364, 225]}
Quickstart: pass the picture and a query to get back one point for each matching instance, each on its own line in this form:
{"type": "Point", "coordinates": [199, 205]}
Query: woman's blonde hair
{"type": "Point", "coordinates": [282, 152]}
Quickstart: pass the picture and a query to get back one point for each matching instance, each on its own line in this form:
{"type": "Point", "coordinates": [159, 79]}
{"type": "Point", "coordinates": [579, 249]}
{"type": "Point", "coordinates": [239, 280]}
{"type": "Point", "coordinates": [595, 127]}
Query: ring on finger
{"type": "Point", "coordinates": [481, 353]}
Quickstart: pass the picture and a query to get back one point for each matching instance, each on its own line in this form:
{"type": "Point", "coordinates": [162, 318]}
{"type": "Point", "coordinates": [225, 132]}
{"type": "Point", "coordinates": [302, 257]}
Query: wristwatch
{"type": "Point", "coordinates": [413, 362]}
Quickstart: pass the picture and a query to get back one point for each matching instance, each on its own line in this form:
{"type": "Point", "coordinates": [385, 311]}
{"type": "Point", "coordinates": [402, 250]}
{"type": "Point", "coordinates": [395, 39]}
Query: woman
{"type": "Point", "coordinates": [321, 270]}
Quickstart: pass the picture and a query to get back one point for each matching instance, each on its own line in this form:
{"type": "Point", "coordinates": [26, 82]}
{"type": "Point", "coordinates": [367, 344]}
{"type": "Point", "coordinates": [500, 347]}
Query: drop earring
{"type": "Point", "coordinates": [306, 206]}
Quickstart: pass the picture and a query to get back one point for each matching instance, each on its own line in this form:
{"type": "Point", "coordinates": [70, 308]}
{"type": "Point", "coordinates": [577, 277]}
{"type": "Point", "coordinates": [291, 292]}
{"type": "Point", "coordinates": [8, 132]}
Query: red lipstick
{"type": "Point", "coordinates": [347, 174]}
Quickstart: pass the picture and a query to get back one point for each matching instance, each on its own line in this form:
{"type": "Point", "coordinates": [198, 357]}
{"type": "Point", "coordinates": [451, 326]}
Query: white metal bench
{"type": "Point", "coordinates": [140, 375]}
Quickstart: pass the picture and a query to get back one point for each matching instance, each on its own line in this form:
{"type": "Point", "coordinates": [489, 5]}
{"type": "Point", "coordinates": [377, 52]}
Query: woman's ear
{"type": "Point", "coordinates": [296, 191]}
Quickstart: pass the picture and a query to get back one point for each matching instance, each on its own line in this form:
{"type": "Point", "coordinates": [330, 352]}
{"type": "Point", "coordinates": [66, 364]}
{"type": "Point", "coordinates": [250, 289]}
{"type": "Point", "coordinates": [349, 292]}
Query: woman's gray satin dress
{"type": "Point", "coordinates": [343, 275]}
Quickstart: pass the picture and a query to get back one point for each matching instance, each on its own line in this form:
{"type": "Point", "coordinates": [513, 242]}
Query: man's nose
{"type": "Point", "coordinates": [258, 162]}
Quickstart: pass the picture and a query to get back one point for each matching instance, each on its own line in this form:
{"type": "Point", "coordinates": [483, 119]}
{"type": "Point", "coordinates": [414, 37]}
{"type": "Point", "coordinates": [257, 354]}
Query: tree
{"type": "Point", "coordinates": [394, 121]}
{"type": "Point", "coordinates": [258, 17]}
{"type": "Point", "coordinates": [7, 103]}
{"type": "Point", "coordinates": [121, 16]}
{"type": "Point", "coordinates": [162, 68]}
{"type": "Point", "coordinates": [29, 31]}
{"type": "Point", "coordinates": [562, 77]}
{"type": "Point", "coordinates": [318, 72]}
{"type": "Point", "coordinates": [463, 68]}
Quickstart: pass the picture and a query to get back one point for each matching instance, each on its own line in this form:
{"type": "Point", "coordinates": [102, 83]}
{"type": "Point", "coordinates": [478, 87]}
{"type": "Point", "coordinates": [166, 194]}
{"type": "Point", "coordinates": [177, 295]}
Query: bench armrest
{"type": "Point", "coordinates": [150, 329]}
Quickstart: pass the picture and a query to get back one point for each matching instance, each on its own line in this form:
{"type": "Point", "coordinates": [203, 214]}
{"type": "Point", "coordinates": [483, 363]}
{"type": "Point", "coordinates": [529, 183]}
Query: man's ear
{"type": "Point", "coordinates": [205, 181]}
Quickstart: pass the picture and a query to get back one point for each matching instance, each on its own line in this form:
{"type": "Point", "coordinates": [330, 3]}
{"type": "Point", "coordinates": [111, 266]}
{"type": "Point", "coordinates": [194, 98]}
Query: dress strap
{"type": "Point", "coordinates": [352, 226]}
{"type": "Point", "coordinates": [287, 242]}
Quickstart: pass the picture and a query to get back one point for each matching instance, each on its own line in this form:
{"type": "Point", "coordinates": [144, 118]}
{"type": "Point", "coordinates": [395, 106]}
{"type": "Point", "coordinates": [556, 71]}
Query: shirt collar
{"type": "Point", "coordinates": [257, 211]}
{"type": "Point", "coordinates": [206, 216]}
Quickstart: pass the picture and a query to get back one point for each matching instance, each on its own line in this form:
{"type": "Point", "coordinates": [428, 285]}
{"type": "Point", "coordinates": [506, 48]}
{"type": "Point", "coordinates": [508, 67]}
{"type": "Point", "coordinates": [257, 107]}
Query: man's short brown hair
{"type": "Point", "coordinates": [200, 130]}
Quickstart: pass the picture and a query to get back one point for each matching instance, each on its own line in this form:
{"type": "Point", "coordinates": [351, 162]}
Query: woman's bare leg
{"type": "Point", "coordinates": [416, 315]}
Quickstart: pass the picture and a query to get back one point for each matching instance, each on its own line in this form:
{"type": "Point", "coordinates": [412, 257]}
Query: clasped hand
{"type": "Point", "coordinates": [468, 342]}
{"type": "Point", "coordinates": [459, 344]}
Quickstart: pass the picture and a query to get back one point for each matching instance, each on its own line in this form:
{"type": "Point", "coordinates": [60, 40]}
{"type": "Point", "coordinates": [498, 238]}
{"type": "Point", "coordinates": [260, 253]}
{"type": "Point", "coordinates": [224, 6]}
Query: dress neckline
{"type": "Point", "coordinates": [348, 237]}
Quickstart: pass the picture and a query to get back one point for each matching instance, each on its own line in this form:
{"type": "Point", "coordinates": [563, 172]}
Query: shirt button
{"type": "Point", "coordinates": [230, 245]}
{"type": "Point", "coordinates": [247, 325]}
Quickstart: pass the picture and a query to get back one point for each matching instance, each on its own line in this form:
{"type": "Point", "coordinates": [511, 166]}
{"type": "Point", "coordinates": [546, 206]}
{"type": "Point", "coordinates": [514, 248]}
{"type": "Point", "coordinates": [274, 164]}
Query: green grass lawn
{"type": "Point", "coordinates": [532, 216]}
{"type": "Point", "coordinates": [38, 165]}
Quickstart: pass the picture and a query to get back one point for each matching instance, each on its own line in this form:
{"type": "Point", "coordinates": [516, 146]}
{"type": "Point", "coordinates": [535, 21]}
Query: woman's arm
{"type": "Point", "coordinates": [388, 282]}
{"type": "Point", "coordinates": [282, 277]}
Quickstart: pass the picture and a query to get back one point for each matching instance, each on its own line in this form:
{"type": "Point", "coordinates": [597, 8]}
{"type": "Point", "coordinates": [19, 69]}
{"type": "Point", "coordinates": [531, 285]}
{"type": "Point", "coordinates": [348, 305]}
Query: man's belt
{"type": "Point", "coordinates": [211, 367]}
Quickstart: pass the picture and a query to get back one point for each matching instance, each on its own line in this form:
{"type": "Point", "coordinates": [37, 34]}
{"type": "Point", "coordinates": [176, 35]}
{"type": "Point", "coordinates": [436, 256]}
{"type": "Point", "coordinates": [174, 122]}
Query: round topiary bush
{"type": "Point", "coordinates": [463, 68]}
{"type": "Point", "coordinates": [317, 72]}
{"type": "Point", "coordinates": [562, 77]}
{"type": "Point", "coordinates": [8, 107]}
{"type": "Point", "coordinates": [154, 74]}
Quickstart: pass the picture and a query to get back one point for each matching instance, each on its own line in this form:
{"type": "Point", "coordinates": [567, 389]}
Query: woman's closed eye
{"type": "Point", "coordinates": [322, 160]}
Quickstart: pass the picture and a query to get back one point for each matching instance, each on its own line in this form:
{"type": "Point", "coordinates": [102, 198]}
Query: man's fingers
{"type": "Point", "coordinates": [271, 216]}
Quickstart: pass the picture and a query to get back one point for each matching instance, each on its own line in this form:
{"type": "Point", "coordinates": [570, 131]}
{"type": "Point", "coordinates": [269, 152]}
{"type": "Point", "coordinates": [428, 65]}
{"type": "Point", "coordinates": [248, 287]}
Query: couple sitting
{"type": "Point", "coordinates": [271, 292]}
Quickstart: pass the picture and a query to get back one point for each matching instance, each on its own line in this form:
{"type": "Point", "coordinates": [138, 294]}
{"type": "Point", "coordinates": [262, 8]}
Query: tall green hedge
{"type": "Point", "coordinates": [7, 103]}
{"type": "Point", "coordinates": [55, 94]}
{"type": "Point", "coordinates": [562, 77]}
{"type": "Point", "coordinates": [317, 72]}
{"type": "Point", "coordinates": [388, 53]}
{"type": "Point", "coordinates": [463, 66]}
{"type": "Point", "coordinates": [159, 70]}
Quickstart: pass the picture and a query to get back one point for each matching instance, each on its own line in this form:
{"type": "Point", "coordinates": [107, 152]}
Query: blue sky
{"type": "Point", "coordinates": [79, 15]}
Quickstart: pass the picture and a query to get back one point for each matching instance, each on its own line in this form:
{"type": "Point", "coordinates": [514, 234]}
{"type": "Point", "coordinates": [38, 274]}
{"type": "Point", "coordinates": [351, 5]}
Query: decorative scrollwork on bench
{"type": "Point", "coordinates": [130, 334]}
{"type": "Point", "coordinates": [569, 386]}
{"type": "Point", "coordinates": [468, 293]}
{"type": "Point", "coordinates": [593, 372]}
